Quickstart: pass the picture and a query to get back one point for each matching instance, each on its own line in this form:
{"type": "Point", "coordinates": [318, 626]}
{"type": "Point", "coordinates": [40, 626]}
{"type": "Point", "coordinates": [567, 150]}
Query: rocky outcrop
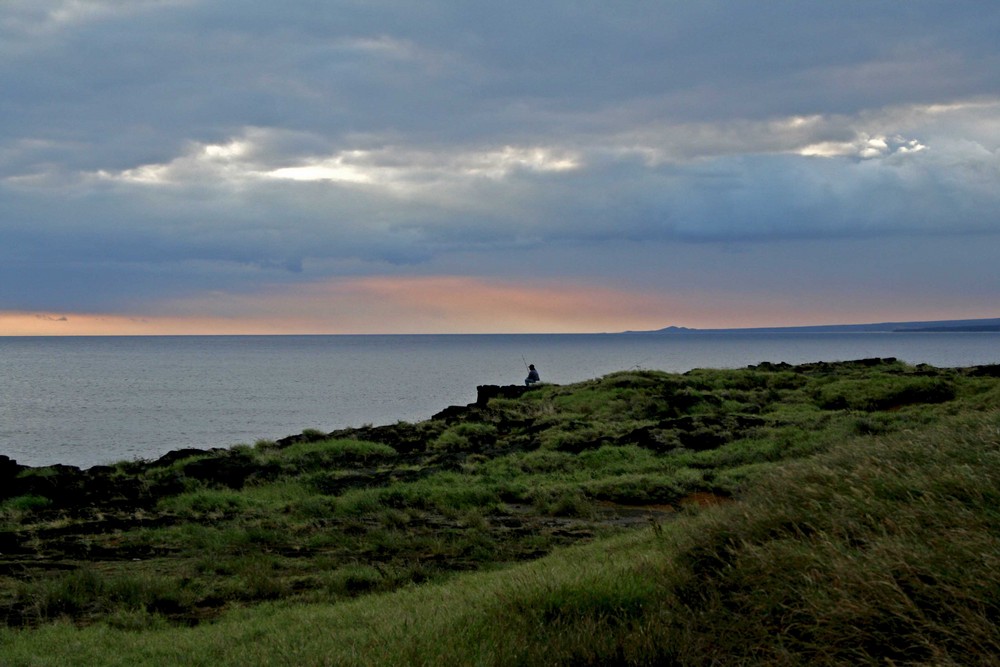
{"type": "Point", "coordinates": [9, 470]}
{"type": "Point", "coordinates": [486, 392]}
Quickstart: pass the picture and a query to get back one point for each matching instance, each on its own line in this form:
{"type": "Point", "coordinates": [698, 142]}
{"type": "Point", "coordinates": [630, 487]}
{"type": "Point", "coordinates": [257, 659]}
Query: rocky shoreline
{"type": "Point", "coordinates": [104, 486]}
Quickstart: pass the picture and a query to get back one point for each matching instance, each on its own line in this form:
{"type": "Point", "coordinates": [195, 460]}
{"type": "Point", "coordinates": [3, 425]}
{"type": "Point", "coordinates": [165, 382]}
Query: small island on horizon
{"type": "Point", "coordinates": [986, 325]}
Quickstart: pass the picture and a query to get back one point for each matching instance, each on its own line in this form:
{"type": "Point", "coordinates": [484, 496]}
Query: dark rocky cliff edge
{"type": "Point", "coordinates": [125, 486]}
{"type": "Point", "coordinates": [118, 486]}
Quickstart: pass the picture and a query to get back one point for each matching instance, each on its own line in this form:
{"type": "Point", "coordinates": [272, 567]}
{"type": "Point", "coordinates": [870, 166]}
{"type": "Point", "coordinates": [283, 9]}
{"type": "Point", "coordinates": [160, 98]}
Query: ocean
{"type": "Point", "coordinates": [87, 401]}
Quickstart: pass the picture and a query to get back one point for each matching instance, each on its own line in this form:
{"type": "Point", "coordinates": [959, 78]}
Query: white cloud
{"type": "Point", "coordinates": [391, 165]}
{"type": "Point", "coordinates": [206, 164]}
{"type": "Point", "coordinates": [723, 182]}
{"type": "Point", "coordinates": [33, 18]}
{"type": "Point", "coordinates": [248, 158]}
{"type": "Point", "coordinates": [332, 169]}
{"type": "Point", "coordinates": [863, 146]}
{"type": "Point", "coordinates": [256, 153]}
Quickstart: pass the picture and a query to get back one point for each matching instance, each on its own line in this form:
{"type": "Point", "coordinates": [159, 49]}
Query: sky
{"type": "Point", "coordinates": [393, 166]}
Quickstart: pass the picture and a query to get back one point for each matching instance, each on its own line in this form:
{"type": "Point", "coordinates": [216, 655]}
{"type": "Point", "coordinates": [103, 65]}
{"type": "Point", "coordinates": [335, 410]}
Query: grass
{"type": "Point", "coordinates": [833, 535]}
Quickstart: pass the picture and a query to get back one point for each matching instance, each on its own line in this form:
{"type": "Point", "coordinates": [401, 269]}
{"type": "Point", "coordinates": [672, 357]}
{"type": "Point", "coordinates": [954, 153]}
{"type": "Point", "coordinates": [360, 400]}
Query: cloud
{"type": "Point", "coordinates": [256, 201]}
{"type": "Point", "coordinates": [160, 150]}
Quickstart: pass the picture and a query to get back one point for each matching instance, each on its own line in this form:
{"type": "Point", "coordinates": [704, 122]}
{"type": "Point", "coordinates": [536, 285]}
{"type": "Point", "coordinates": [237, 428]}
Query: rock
{"type": "Point", "coordinates": [404, 437]}
{"type": "Point", "coordinates": [989, 370]}
{"type": "Point", "coordinates": [231, 471]}
{"type": "Point", "coordinates": [487, 392]}
{"type": "Point", "coordinates": [61, 484]}
{"type": "Point", "coordinates": [173, 457]}
{"type": "Point", "coordinates": [9, 470]}
{"type": "Point", "coordinates": [453, 413]}
{"type": "Point", "coordinates": [701, 432]}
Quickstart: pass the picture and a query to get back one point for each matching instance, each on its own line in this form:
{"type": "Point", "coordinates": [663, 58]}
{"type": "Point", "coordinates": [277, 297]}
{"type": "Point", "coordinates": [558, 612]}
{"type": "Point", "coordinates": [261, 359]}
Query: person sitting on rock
{"type": "Point", "coordinates": [532, 376]}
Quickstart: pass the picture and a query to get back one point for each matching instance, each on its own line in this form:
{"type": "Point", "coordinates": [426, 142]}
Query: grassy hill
{"type": "Point", "coordinates": [820, 514]}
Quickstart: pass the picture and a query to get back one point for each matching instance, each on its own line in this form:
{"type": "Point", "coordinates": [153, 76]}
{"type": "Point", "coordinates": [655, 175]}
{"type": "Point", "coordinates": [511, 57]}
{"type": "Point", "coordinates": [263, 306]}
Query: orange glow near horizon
{"type": "Point", "coordinates": [442, 304]}
{"type": "Point", "coordinates": [96, 324]}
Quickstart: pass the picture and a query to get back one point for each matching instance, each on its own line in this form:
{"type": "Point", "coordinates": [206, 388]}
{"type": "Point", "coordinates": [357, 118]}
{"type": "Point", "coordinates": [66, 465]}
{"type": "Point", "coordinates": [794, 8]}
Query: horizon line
{"type": "Point", "coordinates": [667, 329]}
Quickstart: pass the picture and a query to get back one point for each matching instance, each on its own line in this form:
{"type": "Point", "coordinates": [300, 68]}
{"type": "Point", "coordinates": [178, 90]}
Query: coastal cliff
{"type": "Point", "coordinates": [700, 473]}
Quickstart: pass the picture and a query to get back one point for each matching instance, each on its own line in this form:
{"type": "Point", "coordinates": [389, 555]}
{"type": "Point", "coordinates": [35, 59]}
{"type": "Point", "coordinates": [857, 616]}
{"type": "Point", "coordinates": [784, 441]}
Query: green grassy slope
{"type": "Point", "coordinates": [854, 520]}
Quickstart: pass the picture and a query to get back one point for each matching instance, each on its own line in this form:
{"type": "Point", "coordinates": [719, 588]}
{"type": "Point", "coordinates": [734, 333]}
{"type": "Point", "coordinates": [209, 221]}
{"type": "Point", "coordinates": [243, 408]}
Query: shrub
{"type": "Point", "coordinates": [353, 580]}
{"type": "Point", "coordinates": [205, 501]}
{"type": "Point", "coordinates": [465, 437]}
{"type": "Point", "coordinates": [565, 501]}
{"type": "Point", "coordinates": [648, 488]}
{"type": "Point", "coordinates": [133, 600]}
{"type": "Point", "coordinates": [24, 504]}
{"type": "Point", "coordinates": [614, 460]}
{"type": "Point", "coordinates": [333, 452]}
{"type": "Point", "coordinates": [883, 393]}
{"type": "Point", "coordinates": [546, 461]}
{"type": "Point", "coordinates": [575, 436]}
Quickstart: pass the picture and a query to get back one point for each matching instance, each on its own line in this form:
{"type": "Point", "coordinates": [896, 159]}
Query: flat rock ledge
{"type": "Point", "coordinates": [484, 394]}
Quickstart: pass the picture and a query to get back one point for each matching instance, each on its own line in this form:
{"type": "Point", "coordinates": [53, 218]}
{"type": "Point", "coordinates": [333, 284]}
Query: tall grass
{"type": "Point", "coordinates": [880, 551]}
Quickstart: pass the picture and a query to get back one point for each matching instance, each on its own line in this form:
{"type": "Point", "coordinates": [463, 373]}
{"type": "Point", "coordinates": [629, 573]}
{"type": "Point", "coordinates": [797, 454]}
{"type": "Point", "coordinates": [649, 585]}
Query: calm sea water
{"type": "Point", "coordinates": [88, 401]}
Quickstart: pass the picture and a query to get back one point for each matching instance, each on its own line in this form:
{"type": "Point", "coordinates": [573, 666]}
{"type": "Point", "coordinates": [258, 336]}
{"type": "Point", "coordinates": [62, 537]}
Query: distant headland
{"type": "Point", "coordinates": [938, 326]}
